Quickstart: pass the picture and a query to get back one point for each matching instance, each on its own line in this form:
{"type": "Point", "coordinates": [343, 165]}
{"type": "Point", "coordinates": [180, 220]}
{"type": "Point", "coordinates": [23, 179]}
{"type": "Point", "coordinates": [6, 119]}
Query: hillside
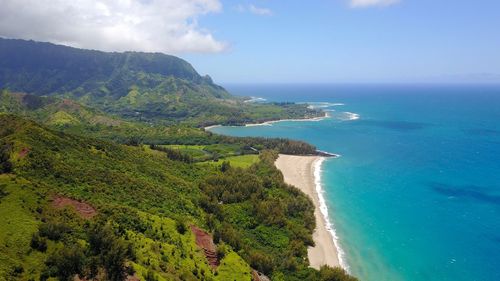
{"type": "Point", "coordinates": [76, 205]}
{"type": "Point", "coordinates": [149, 87]}
{"type": "Point", "coordinates": [69, 116]}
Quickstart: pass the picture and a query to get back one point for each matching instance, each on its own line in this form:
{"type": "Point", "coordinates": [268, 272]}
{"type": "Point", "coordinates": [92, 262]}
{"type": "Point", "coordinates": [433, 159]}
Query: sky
{"type": "Point", "coordinates": [282, 41]}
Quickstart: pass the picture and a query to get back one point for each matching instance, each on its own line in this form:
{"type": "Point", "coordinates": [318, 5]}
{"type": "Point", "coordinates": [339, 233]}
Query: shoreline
{"type": "Point", "coordinates": [303, 172]}
{"type": "Point", "coordinates": [269, 123]}
{"type": "Point", "coordinates": [211, 127]}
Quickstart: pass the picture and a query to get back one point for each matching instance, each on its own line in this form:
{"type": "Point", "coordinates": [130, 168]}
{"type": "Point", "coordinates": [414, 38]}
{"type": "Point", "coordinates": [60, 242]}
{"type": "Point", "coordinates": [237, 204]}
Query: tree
{"type": "Point", "coordinates": [150, 276]}
{"type": "Point", "coordinates": [5, 164]}
{"type": "Point", "coordinates": [226, 165]}
{"type": "Point", "coordinates": [38, 243]}
{"type": "Point", "coordinates": [66, 263]}
{"type": "Point", "coordinates": [110, 251]}
{"type": "Point", "coordinates": [327, 273]}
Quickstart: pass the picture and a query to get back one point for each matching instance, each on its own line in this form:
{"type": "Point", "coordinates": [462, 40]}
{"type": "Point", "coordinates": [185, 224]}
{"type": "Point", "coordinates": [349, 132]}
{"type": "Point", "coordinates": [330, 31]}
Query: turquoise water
{"type": "Point", "coordinates": [416, 193]}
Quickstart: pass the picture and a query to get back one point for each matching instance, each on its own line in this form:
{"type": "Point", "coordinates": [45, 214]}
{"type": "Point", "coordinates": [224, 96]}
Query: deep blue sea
{"type": "Point", "coordinates": [416, 193]}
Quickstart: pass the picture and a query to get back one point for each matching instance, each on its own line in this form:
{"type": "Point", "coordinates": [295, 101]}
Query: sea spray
{"type": "Point", "coordinates": [351, 116]}
{"type": "Point", "coordinates": [324, 211]}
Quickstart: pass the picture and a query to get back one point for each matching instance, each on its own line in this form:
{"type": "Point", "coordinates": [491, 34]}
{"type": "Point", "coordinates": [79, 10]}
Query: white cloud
{"type": "Point", "coordinates": [168, 26]}
{"type": "Point", "coordinates": [254, 10]}
{"type": "Point", "coordinates": [260, 11]}
{"type": "Point", "coordinates": [368, 3]}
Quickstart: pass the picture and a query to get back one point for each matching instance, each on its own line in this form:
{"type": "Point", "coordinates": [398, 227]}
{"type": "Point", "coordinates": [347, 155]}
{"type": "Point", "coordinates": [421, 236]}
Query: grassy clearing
{"type": "Point", "coordinates": [201, 153]}
{"type": "Point", "coordinates": [242, 161]}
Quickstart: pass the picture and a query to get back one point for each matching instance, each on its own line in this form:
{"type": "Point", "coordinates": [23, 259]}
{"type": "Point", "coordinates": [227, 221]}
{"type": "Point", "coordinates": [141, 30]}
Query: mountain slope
{"type": "Point", "coordinates": [150, 87]}
{"type": "Point", "coordinates": [71, 117]}
{"type": "Point", "coordinates": [80, 72]}
{"type": "Point", "coordinates": [131, 190]}
{"type": "Point", "coordinates": [54, 111]}
{"type": "Point", "coordinates": [95, 208]}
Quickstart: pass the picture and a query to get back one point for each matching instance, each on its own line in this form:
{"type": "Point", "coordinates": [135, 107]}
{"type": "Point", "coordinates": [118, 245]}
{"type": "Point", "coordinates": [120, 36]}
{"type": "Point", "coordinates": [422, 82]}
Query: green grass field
{"type": "Point", "coordinates": [201, 153]}
{"type": "Point", "coordinates": [242, 161]}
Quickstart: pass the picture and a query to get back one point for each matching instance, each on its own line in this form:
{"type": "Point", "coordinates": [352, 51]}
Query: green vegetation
{"type": "Point", "coordinates": [94, 123]}
{"type": "Point", "coordinates": [105, 171]}
{"type": "Point", "coordinates": [146, 87]}
{"type": "Point", "coordinates": [145, 203]}
{"type": "Point", "coordinates": [243, 161]}
{"type": "Point", "coordinates": [212, 152]}
{"type": "Point", "coordinates": [262, 218]}
{"type": "Point", "coordinates": [17, 204]}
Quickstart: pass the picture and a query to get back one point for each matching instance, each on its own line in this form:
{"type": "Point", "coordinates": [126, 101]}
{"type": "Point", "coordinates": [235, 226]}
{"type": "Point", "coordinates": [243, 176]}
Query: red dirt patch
{"type": "Point", "coordinates": [132, 278]}
{"type": "Point", "coordinates": [205, 242]}
{"type": "Point", "coordinates": [83, 209]}
{"type": "Point", "coordinates": [23, 152]}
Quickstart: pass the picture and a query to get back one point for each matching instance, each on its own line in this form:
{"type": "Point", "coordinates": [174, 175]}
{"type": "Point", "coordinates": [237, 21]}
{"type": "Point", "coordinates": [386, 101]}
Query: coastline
{"type": "Point", "coordinates": [269, 123]}
{"type": "Point", "coordinates": [303, 172]}
{"type": "Point", "coordinates": [211, 127]}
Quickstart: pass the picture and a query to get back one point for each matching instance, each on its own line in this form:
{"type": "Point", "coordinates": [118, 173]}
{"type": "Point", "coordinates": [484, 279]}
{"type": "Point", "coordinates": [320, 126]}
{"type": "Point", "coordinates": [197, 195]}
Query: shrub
{"type": "Point", "coordinates": [53, 230]}
{"type": "Point", "coordinates": [66, 263]}
{"type": "Point", "coordinates": [180, 226]}
{"type": "Point", "coordinates": [327, 273]}
{"type": "Point", "coordinates": [5, 164]}
{"type": "Point", "coordinates": [150, 276]}
{"type": "Point", "coordinates": [38, 243]}
{"type": "Point", "coordinates": [226, 165]}
{"type": "Point", "coordinates": [109, 251]}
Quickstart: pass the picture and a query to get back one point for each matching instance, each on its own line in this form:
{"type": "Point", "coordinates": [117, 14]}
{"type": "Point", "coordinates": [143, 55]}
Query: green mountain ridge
{"type": "Point", "coordinates": [73, 68]}
{"type": "Point", "coordinates": [149, 87]}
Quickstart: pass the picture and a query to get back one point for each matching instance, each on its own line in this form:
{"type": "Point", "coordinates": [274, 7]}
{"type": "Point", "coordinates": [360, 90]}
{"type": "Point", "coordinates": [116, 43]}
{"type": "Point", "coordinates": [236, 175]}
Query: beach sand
{"type": "Point", "coordinates": [270, 123]}
{"type": "Point", "coordinates": [299, 172]}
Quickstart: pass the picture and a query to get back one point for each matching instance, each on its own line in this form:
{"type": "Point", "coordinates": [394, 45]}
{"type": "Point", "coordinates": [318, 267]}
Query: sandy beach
{"type": "Point", "coordinates": [211, 127]}
{"type": "Point", "coordinates": [270, 123]}
{"type": "Point", "coordinates": [299, 171]}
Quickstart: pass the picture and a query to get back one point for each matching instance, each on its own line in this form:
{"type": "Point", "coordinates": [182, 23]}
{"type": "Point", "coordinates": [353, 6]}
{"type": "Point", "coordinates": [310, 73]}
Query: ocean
{"type": "Point", "coordinates": [415, 194]}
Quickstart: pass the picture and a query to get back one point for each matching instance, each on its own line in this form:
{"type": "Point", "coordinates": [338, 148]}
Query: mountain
{"type": "Point", "coordinates": [150, 87]}
{"type": "Point", "coordinates": [26, 65]}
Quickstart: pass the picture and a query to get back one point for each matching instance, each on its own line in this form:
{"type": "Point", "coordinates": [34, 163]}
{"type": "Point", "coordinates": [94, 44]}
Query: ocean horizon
{"type": "Point", "coordinates": [415, 194]}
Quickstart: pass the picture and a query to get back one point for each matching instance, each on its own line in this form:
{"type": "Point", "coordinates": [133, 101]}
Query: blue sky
{"type": "Point", "coordinates": [331, 41]}
{"type": "Point", "coordinates": [282, 41]}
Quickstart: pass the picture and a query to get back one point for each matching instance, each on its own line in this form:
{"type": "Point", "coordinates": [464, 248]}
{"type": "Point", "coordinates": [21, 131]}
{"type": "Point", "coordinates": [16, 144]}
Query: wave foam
{"type": "Point", "coordinates": [314, 105]}
{"type": "Point", "coordinates": [324, 211]}
{"type": "Point", "coordinates": [352, 116]}
{"type": "Point", "coordinates": [255, 100]}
